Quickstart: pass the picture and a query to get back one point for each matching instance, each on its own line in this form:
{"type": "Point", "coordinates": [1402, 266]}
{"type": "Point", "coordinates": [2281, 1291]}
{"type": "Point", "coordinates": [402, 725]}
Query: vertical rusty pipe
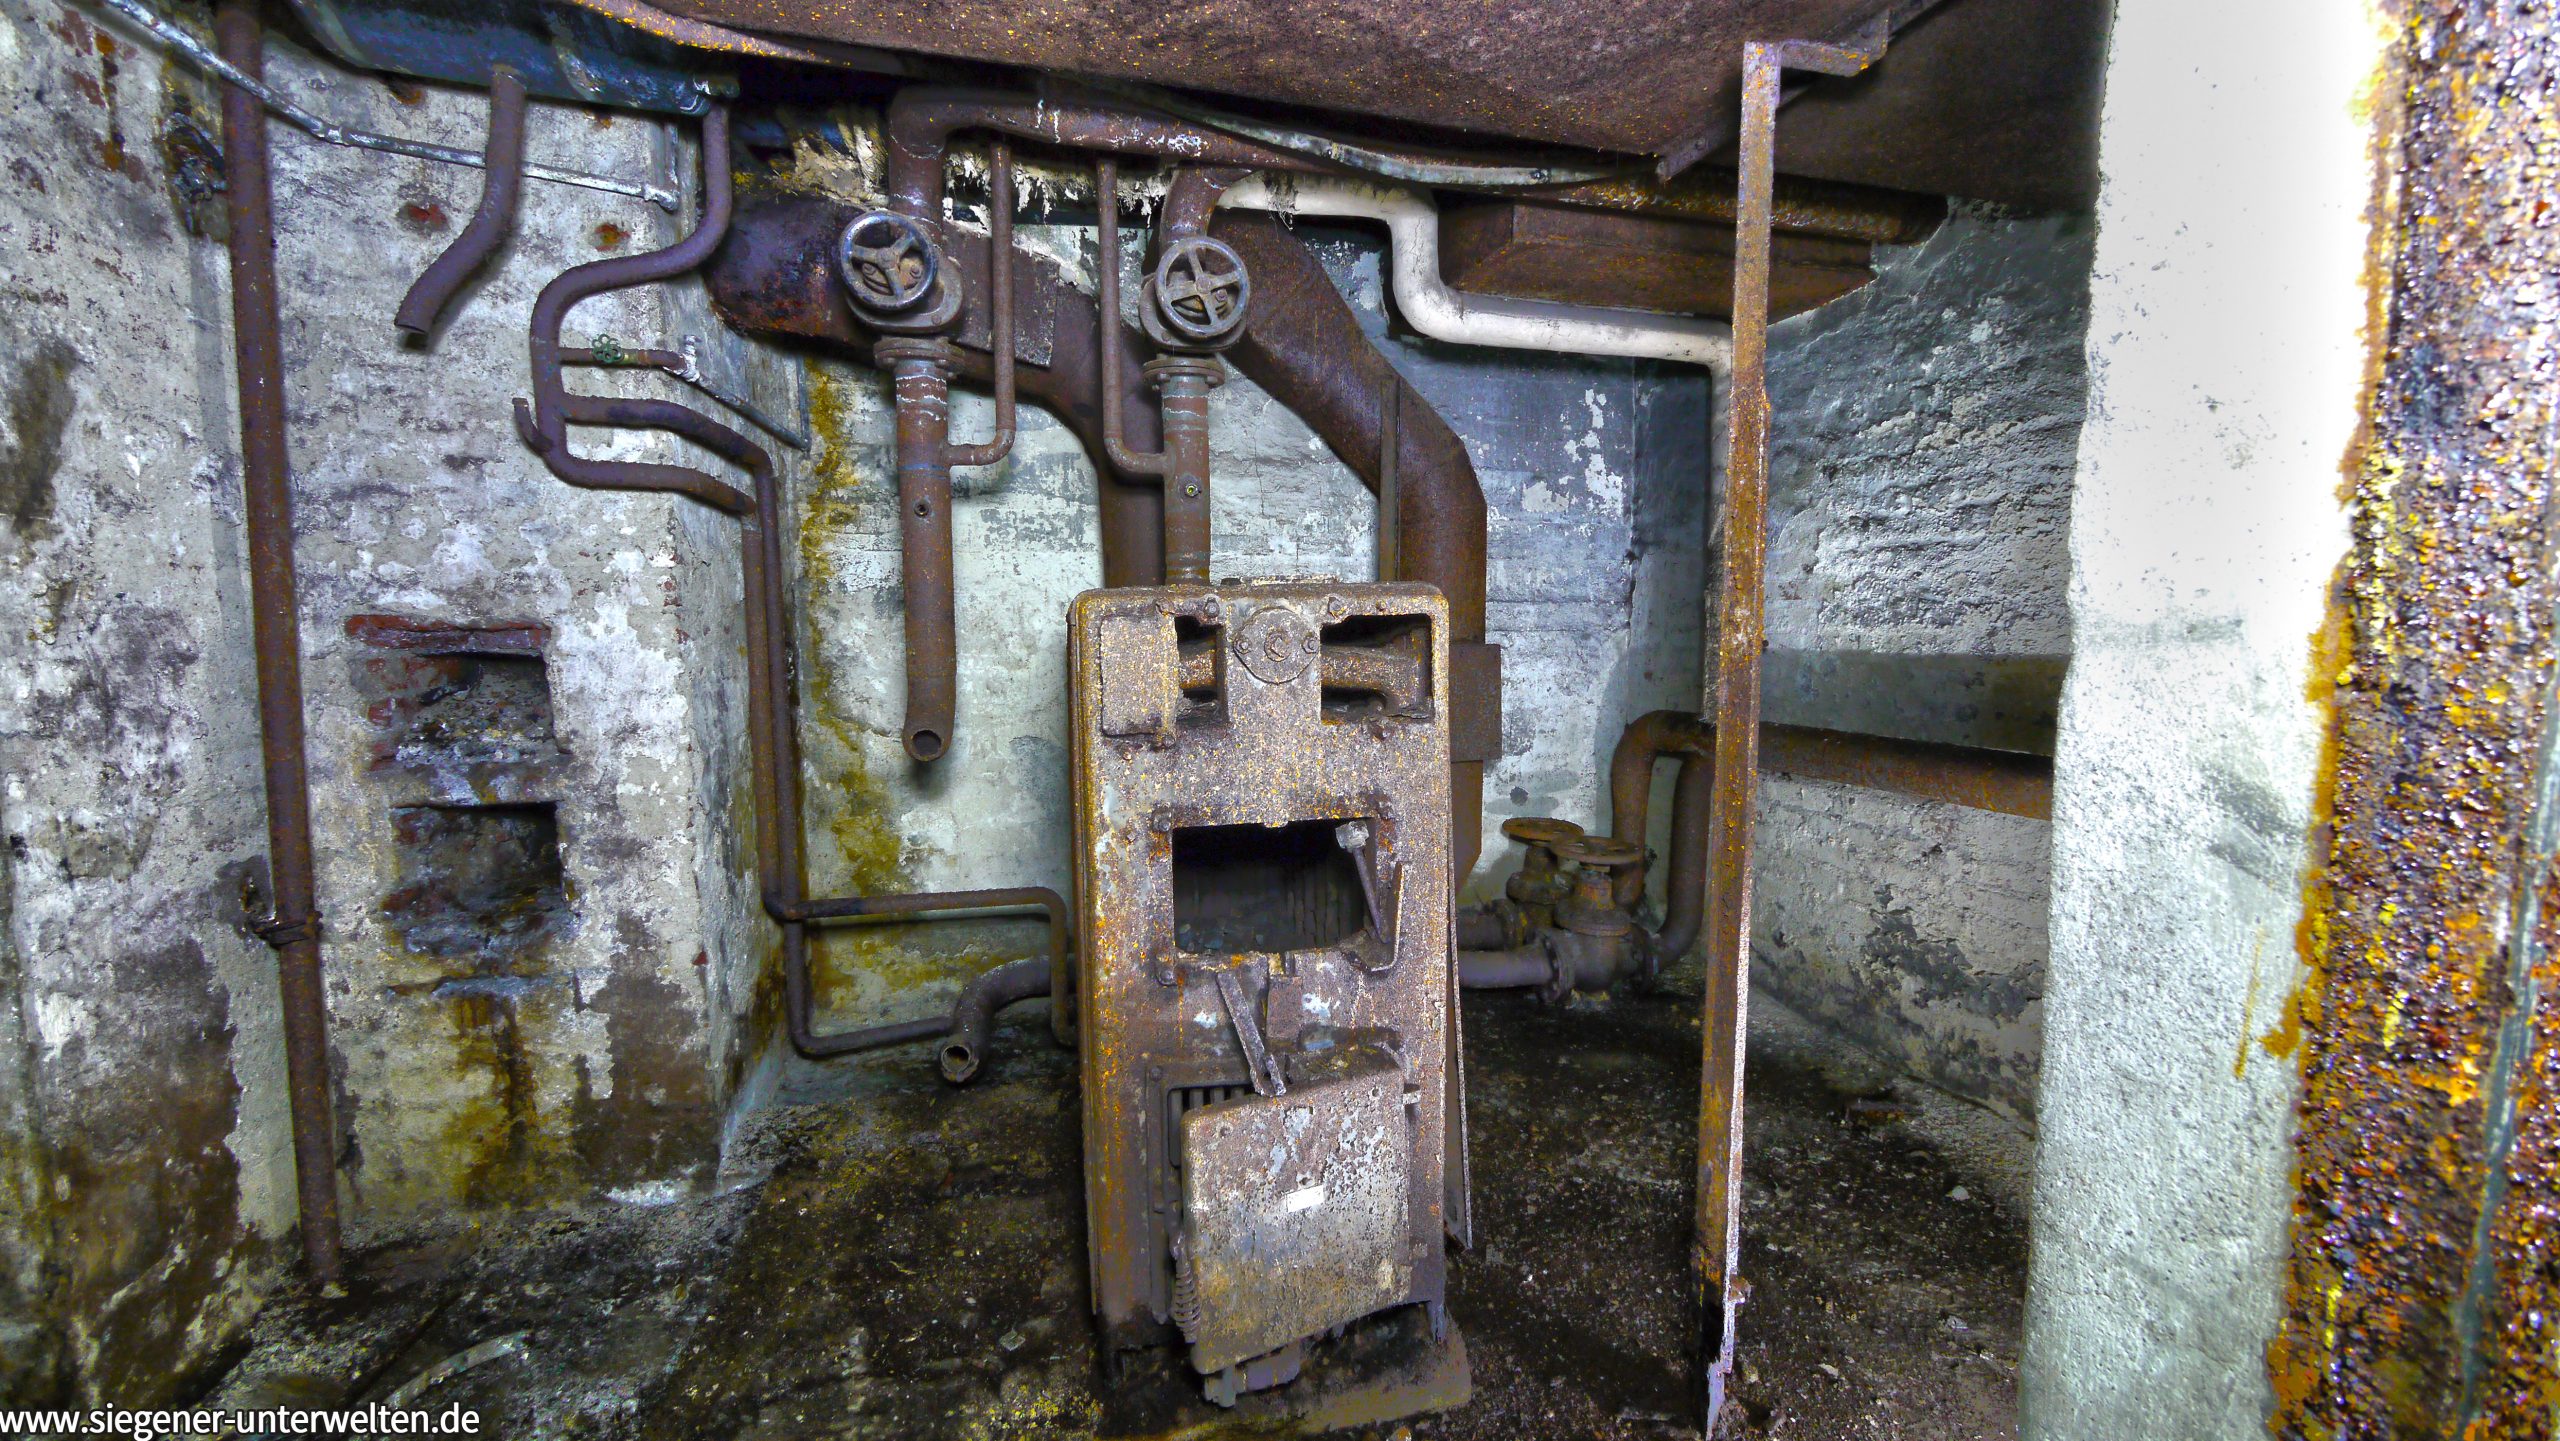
{"type": "Point", "coordinates": [1000, 281]}
{"type": "Point", "coordinates": [491, 224]}
{"type": "Point", "coordinates": [1303, 345]}
{"type": "Point", "coordinates": [920, 368]}
{"type": "Point", "coordinates": [1647, 739]}
{"type": "Point", "coordinates": [276, 625]}
{"type": "Point", "coordinates": [1740, 622]}
{"type": "Point", "coordinates": [1183, 383]}
{"type": "Point", "coordinates": [1106, 189]}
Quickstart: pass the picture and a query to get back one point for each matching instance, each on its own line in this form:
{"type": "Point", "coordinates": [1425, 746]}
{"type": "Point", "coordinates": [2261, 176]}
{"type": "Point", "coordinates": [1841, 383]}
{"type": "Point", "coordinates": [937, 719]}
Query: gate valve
{"type": "Point", "coordinates": [888, 261]}
{"type": "Point", "coordinates": [1593, 907]}
{"type": "Point", "coordinates": [1197, 295]}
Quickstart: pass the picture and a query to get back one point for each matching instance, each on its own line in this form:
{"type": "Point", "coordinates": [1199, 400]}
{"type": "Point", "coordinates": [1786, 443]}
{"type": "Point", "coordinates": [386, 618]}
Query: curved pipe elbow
{"type": "Point", "coordinates": [965, 1046]}
{"type": "Point", "coordinates": [1432, 307]}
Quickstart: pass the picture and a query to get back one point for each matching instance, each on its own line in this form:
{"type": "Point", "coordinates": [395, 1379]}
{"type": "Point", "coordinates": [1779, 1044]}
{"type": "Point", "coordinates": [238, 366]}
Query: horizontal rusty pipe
{"type": "Point", "coordinates": [922, 119]}
{"type": "Point", "coordinates": [424, 306]}
{"type": "Point", "coordinates": [292, 924]}
{"type": "Point", "coordinates": [1303, 345]}
{"type": "Point", "coordinates": [774, 277]}
{"type": "Point", "coordinates": [1527, 968]}
{"type": "Point", "coordinates": [2007, 782]}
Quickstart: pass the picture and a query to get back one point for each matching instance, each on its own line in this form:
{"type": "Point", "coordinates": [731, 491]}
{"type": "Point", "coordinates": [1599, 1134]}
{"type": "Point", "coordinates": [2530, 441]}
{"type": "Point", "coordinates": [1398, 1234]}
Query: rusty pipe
{"type": "Point", "coordinates": [1000, 346]}
{"type": "Point", "coordinates": [1528, 967]}
{"type": "Point", "coordinates": [922, 119]}
{"type": "Point", "coordinates": [292, 926]}
{"type": "Point", "coordinates": [543, 424]}
{"type": "Point", "coordinates": [1106, 185]}
{"type": "Point", "coordinates": [773, 730]}
{"type": "Point", "coordinates": [774, 277]}
{"type": "Point", "coordinates": [920, 372]}
{"type": "Point", "coordinates": [1190, 198]}
{"type": "Point", "coordinates": [1303, 345]}
{"type": "Point", "coordinates": [424, 306]}
{"type": "Point", "coordinates": [976, 1010]}
{"type": "Point", "coordinates": [2006, 782]}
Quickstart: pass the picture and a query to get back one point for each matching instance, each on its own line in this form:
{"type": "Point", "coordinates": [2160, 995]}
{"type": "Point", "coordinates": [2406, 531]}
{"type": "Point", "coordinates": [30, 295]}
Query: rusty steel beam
{"type": "Point", "coordinates": [292, 923]}
{"type": "Point", "coordinates": [1740, 627]}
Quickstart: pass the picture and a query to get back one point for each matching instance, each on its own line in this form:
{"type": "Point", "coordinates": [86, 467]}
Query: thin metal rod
{"type": "Point", "coordinates": [685, 365]}
{"type": "Point", "coordinates": [1106, 185]}
{"type": "Point", "coordinates": [193, 51]}
{"type": "Point", "coordinates": [1000, 295]}
{"type": "Point", "coordinates": [490, 225]}
{"type": "Point", "coordinates": [1740, 625]}
{"type": "Point", "coordinates": [293, 924]}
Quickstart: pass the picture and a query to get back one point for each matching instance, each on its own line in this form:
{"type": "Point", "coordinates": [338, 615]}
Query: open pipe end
{"type": "Point", "coordinates": [959, 1062]}
{"type": "Point", "coordinates": [926, 744]}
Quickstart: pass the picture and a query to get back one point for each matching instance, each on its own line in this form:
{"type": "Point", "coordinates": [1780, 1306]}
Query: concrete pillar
{"type": "Point", "coordinates": [2227, 363]}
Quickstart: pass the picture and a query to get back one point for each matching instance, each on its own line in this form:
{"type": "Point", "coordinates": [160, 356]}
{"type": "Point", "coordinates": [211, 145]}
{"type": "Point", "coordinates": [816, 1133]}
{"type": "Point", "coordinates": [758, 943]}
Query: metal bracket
{"type": "Point", "coordinates": [1258, 1060]}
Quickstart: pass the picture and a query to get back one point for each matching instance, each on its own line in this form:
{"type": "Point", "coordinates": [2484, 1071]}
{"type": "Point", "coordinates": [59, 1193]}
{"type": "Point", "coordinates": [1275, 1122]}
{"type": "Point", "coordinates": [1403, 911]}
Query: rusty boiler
{"type": "Point", "coordinates": [1273, 1116]}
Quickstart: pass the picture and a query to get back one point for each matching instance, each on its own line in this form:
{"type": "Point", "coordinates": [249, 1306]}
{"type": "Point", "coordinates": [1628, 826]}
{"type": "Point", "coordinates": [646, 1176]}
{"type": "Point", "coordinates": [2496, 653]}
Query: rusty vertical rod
{"type": "Point", "coordinates": [1740, 623]}
{"type": "Point", "coordinates": [293, 926]}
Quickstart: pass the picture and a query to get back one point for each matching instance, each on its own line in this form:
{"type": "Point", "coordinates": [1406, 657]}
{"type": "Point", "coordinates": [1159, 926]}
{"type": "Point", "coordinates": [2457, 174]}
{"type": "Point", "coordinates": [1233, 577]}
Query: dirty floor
{"type": "Point", "coordinates": [887, 1257]}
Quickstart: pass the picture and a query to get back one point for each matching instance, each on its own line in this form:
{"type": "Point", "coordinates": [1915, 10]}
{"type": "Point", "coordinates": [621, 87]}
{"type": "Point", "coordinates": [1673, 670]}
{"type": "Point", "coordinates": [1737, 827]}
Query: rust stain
{"type": "Point", "coordinates": [425, 217]}
{"type": "Point", "coordinates": [610, 237]}
{"type": "Point", "coordinates": [2427, 1221]}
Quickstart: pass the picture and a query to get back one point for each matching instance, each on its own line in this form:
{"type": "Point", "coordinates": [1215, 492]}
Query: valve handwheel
{"type": "Point", "coordinates": [888, 260]}
{"type": "Point", "coordinates": [1602, 852]}
{"type": "Point", "coordinates": [1201, 288]}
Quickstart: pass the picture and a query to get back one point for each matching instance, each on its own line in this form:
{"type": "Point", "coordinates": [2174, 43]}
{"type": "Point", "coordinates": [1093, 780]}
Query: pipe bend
{"type": "Point", "coordinates": [1645, 741]}
{"type": "Point", "coordinates": [428, 298]}
{"type": "Point", "coordinates": [965, 1048]}
{"type": "Point", "coordinates": [1432, 307]}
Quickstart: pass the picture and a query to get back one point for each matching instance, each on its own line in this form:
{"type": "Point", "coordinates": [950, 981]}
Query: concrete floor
{"type": "Point", "coordinates": [892, 1258]}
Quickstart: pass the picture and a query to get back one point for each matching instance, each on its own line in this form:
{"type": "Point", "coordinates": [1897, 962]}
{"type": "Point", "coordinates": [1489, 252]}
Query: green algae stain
{"type": "Point", "coordinates": [865, 966]}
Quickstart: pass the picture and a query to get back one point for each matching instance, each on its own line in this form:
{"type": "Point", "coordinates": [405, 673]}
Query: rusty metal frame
{"type": "Point", "coordinates": [1740, 631]}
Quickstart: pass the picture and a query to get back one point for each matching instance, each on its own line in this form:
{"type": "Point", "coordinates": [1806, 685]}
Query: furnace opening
{"type": "Point", "coordinates": [1264, 888]}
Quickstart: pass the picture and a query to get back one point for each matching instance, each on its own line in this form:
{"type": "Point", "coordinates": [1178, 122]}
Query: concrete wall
{"type": "Point", "coordinates": [1924, 431]}
{"type": "Point", "coordinates": [1594, 473]}
{"type": "Point", "coordinates": [2227, 361]}
{"type": "Point", "coordinates": [494, 1045]}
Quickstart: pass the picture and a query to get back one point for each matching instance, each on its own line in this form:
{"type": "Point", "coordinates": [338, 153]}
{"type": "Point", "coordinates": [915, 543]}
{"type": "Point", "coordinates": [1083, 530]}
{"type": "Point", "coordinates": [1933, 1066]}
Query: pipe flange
{"type": "Point", "coordinates": [1197, 296]}
{"type": "Point", "coordinates": [1204, 368]}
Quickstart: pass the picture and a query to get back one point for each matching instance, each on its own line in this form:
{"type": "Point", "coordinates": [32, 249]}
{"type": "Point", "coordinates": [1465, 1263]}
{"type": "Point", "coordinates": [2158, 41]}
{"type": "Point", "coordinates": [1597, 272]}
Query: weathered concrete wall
{"type": "Point", "coordinates": [2228, 360]}
{"type": "Point", "coordinates": [1923, 439]}
{"type": "Point", "coordinates": [536, 918]}
{"type": "Point", "coordinates": [1595, 475]}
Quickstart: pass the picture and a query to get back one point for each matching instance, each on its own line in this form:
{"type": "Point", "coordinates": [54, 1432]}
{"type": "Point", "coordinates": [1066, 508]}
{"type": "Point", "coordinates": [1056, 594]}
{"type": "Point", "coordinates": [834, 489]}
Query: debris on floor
{"type": "Point", "coordinates": [889, 1257]}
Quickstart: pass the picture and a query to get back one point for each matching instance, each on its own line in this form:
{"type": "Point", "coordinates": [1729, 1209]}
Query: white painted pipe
{"type": "Point", "coordinates": [1430, 306]}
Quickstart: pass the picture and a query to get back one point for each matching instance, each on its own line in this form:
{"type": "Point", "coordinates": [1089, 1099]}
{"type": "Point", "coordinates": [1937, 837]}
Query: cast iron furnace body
{"type": "Point", "coordinates": [1273, 1121]}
